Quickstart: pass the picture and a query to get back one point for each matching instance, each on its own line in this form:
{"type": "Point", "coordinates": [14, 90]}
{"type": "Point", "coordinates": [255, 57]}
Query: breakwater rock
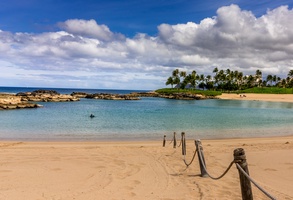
{"type": "Point", "coordinates": [112, 96]}
{"type": "Point", "coordinates": [46, 96]}
{"type": "Point", "coordinates": [178, 96]}
{"type": "Point", "coordinates": [79, 94]}
{"type": "Point", "coordinates": [11, 101]}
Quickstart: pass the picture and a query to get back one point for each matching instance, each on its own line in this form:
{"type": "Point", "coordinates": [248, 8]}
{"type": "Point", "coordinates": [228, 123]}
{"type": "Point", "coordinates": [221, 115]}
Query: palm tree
{"type": "Point", "coordinates": [192, 79]}
{"type": "Point", "coordinates": [183, 75]}
{"type": "Point", "coordinates": [290, 74]}
{"type": "Point", "coordinates": [270, 79]}
{"type": "Point", "coordinates": [283, 83]}
{"type": "Point", "coordinates": [209, 83]}
{"type": "Point", "coordinates": [239, 80]}
{"type": "Point", "coordinates": [201, 79]}
{"type": "Point", "coordinates": [176, 80]}
{"type": "Point", "coordinates": [175, 76]}
{"type": "Point", "coordinates": [250, 81]}
{"type": "Point", "coordinates": [175, 72]}
{"type": "Point", "coordinates": [169, 81]}
{"type": "Point", "coordinates": [274, 79]}
{"type": "Point", "coordinates": [216, 77]}
{"type": "Point", "coordinates": [215, 70]}
{"type": "Point", "coordinates": [290, 79]}
{"type": "Point", "coordinates": [258, 77]}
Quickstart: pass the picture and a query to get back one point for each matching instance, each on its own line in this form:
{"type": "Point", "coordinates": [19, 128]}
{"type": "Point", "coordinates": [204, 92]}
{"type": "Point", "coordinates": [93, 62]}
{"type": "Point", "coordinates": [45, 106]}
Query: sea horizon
{"type": "Point", "coordinates": [62, 90]}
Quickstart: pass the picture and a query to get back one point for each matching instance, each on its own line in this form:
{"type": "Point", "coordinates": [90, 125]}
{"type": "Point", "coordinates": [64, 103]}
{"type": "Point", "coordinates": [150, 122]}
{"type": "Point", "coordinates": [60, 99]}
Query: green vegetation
{"type": "Point", "coordinates": [228, 81]}
{"type": "Point", "coordinates": [268, 90]}
{"type": "Point", "coordinates": [188, 91]}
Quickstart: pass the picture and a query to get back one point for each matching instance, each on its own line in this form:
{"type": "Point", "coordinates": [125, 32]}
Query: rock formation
{"type": "Point", "coordinates": [11, 101]}
{"type": "Point", "coordinates": [46, 96]}
{"type": "Point", "coordinates": [112, 96]}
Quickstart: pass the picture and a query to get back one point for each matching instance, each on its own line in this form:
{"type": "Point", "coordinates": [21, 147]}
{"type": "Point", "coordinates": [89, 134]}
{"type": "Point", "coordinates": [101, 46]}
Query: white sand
{"type": "Point", "coordinates": [259, 97]}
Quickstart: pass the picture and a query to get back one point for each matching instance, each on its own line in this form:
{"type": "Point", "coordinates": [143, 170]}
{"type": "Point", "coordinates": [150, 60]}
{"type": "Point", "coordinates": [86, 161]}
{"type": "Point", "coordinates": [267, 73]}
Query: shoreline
{"type": "Point", "coordinates": [129, 140]}
{"type": "Point", "coordinates": [258, 97]}
{"type": "Point", "coordinates": [141, 169]}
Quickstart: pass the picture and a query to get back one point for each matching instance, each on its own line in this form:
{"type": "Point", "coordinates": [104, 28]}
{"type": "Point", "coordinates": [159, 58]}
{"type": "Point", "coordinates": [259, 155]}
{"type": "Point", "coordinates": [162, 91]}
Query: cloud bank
{"type": "Point", "coordinates": [88, 54]}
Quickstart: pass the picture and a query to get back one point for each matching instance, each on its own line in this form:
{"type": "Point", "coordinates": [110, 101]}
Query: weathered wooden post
{"type": "Point", "coordinates": [183, 143]}
{"type": "Point", "coordinates": [164, 141]}
{"type": "Point", "coordinates": [202, 163]}
{"type": "Point", "coordinates": [174, 140]}
{"type": "Point", "coordinates": [240, 158]}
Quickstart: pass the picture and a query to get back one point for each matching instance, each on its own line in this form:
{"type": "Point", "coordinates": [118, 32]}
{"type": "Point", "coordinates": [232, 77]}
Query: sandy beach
{"type": "Point", "coordinates": [259, 97]}
{"type": "Point", "coordinates": [144, 170]}
{"type": "Point", "coordinates": [140, 170]}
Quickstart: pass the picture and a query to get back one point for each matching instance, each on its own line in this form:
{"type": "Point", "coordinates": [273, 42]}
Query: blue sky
{"type": "Point", "coordinates": [136, 44]}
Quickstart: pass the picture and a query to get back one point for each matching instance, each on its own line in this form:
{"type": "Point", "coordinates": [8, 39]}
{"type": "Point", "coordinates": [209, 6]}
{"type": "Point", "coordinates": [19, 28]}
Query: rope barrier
{"type": "Point", "coordinates": [174, 140]}
{"type": "Point", "coordinates": [187, 164]}
{"type": "Point", "coordinates": [239, 157]}
{"type": "Point", "coordinates": [183, 142]}
{"type": "Point", "coordinates": [164, 141]}
{"type": "Point", "coordinates": [180, 143]}
{"type": "Point", "coordinates": [217, 178]}
{"type": "Point", "coordinates": [258, 186]}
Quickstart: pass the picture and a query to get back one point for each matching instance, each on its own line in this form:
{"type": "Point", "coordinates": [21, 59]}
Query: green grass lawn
{"type": "Point", "coordinates": [260, 90]}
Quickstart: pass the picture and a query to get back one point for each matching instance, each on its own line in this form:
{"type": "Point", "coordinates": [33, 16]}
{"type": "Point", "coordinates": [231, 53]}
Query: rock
{"type": "Point", "coordinates": [79, 94]}
{"type": "Point", "coordinates": [11, 101]}
{"type": "Point", "coordinates": [21, 100]}
{"type": "Point", "coordinates": [46, 96]}
{"type": "Point", "coordinates": [111, 96]}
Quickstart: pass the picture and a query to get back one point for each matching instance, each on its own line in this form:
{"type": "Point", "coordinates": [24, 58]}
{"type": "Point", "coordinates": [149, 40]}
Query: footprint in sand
{"type": "Point", "coordinates": [269, 169]}
{"type": "Point", "coordinates": [136, 182]}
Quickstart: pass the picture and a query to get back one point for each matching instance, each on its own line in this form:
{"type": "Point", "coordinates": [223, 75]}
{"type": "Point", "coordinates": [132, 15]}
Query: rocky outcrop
{"type": "Point", "coordinates": [21, 100]}
{"type": "Point", "coordinates": [46, 96]}
{"type": "Point", "coordinates": [79, 94]}
{"type": "Point", "coordinates": [145, 94]}
{"type": "Point", "coordinates": [11, 101]}
{"type": "Point", "coordinates": [178, 96]}
{"type": "Point", "coordinates": [183, 96]}
{"type": "Point", "coordinates": [112, 96]}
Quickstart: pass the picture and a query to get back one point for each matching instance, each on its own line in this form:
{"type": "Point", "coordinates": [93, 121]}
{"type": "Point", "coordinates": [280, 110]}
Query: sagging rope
{"type": "Point", "coordinates": [187, 164]}
{"type": "Point", "coordinates": [173, 140]}
{"type": "Point", "coordinates": [256, 185]}
{"type": "Point", "coordinates": [204, 166]}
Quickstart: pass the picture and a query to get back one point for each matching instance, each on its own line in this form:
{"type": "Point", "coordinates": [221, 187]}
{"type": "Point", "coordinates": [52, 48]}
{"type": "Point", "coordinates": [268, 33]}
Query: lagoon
{"type": "Point", "coordinates": [146, 119]}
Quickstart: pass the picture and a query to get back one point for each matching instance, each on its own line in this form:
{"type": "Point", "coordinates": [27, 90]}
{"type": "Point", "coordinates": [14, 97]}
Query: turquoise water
{"type": "Point", "coordinates": [149, 118]}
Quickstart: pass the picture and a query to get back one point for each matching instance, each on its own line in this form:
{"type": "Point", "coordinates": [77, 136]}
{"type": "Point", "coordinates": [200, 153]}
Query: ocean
{"type": "Point", "coordinates": [145, 119]}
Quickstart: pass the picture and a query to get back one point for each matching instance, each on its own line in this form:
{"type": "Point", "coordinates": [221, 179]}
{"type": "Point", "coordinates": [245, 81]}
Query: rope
{"type": "Point", "coordinates": [187, 164]}
{"type": "Point", "coordinates": [180, 143]}
{"type": "Point", "coordinates": [258, 186]}
{"type": "Point", "coordinates": [217, 178]}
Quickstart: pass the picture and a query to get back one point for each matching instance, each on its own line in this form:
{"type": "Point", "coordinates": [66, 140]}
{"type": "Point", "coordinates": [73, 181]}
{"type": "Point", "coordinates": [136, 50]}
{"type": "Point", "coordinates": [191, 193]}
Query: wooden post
{"type": "Point", "coordinates": [240, 158]}
{"type": "Point", "coordinates": [174, 140]}
{"type": "Point", "coordinates": [199, 150]}
{"type": "Point", "coordinates": [164, 141]}
{"type": "Point", "coordinates": [183, 143]}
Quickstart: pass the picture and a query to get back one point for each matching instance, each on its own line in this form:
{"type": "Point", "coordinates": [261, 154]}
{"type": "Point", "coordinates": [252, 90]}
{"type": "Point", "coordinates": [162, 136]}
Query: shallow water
{"type": "Point", "coordinates": [148, 118]}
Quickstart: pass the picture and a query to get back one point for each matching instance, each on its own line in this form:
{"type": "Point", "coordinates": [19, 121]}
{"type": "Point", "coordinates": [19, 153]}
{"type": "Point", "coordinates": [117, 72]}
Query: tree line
{"type": "Point", "coordinates": [227, 80]}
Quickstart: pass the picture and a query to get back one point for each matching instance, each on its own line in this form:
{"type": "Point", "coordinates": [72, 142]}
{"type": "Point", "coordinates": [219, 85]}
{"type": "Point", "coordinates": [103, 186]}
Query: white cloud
{"type": "Point", "coordinates": [234, 38]}
{"type": "Point", "coordinates": [87, 28]}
